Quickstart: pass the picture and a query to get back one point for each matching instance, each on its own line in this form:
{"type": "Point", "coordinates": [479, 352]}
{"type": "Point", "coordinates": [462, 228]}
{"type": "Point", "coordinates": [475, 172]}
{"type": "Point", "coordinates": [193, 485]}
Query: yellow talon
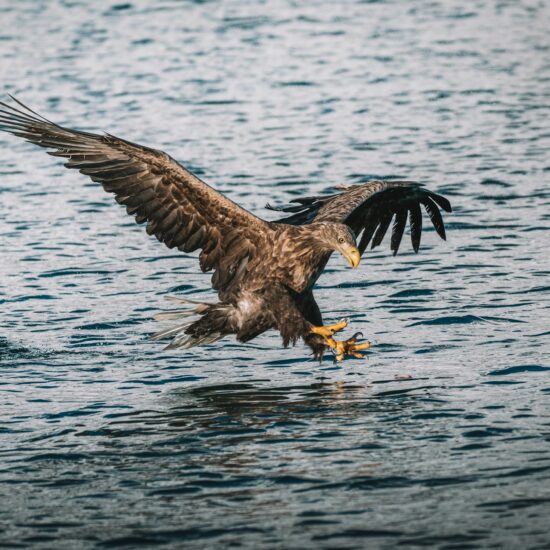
{"type": "Point", "coordinates": [341, 348]}
{"type": "Point", "coordinates": [350, 347]}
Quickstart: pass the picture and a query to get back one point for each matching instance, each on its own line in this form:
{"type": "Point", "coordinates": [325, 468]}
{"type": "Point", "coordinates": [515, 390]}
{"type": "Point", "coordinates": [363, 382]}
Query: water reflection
{"type": "Point", "coordinates": [255, 409]}
{"type": "Point", "coordinates": [257, 397]}
{"type": "Point", "coordinates": [233, 437]}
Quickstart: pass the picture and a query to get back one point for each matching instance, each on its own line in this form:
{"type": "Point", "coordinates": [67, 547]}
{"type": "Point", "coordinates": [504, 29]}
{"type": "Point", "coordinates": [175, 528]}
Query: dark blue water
{"type": "Point", "coordinates": [440, 438]}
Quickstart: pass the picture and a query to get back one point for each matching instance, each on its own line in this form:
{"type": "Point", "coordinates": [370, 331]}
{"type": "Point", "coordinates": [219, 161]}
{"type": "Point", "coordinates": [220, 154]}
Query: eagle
{"type": "Point", "coordinates": [263, 271]}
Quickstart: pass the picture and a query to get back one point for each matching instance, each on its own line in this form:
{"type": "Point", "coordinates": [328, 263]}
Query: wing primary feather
{"type": "Point", "coordinates": [441, 201]}
{"type": "Point", "coordinates": [368, 232]}
{"type": "Point", "coordinates": [7, 122]}
{"type": "Point", "coordinates": [26, 109]}
{"type": "Point", "coordinates": [416, 225]}
{"type": "Point", "coordinates": [435, 216]}
{"type": "Point", "coordinates": [385, 220]}
{"type": "Point", "coordinates": [14, 113]}
{"type": "Point", "coordinates": [398, 229]}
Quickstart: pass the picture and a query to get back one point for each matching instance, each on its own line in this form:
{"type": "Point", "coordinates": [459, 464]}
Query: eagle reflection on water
{"type": "Point", "coordinates": [258, 404]}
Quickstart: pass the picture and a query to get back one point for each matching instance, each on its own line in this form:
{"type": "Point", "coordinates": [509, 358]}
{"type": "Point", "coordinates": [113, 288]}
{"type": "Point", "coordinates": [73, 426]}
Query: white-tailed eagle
{"type": "Point", "coordinates": [263, 272]}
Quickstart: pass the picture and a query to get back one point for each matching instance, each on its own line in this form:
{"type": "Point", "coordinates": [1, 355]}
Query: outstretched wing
{"type": "Point", "coordinates": [369, 209]}
{"type": "Point", "coordinates": [180, 210]}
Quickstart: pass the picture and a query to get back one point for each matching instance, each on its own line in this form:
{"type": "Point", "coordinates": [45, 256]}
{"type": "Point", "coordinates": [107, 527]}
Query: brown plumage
{"type": "Point", "coordinates": [263, 272]}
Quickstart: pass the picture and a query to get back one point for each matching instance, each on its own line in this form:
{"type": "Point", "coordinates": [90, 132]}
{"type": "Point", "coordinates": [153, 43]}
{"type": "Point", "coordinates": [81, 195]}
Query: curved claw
{"type": "Point", "coordinates": [349, 347]}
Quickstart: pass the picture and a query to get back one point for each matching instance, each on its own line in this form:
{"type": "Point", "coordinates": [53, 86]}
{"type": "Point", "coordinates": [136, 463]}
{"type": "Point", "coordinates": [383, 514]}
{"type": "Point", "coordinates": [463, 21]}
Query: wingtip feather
{"type": "Point", "coordinates": [441, 201]}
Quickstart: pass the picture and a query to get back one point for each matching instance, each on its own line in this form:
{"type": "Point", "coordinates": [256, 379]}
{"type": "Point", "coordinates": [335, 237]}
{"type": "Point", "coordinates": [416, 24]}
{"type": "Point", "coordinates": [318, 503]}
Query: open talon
{"type": "Point", "coordinates": [352, 348]}
{"type": "Point", "coordinates": [341, 348]}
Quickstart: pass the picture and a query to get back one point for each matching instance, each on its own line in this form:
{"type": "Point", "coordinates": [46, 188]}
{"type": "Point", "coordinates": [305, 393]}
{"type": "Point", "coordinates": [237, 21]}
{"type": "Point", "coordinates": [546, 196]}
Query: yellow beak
{"type": "Point", "coordinates": [352, 255]}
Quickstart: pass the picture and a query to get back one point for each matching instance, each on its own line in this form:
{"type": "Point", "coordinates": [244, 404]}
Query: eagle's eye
{"type": "Point", "coordinates": [341, 240]}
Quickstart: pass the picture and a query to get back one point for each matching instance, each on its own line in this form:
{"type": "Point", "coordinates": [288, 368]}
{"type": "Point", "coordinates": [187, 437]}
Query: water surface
{"type": "Point", "coordinates": [441, 437]}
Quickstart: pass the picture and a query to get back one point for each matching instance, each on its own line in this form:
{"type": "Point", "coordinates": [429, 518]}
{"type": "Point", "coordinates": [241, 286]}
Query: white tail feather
{"type": "Point", "coordinates": [175, 314]}
{"type": "Point", "coordinates": [186, 341]}
{"type": "Point", "coordinates": [169, 332]}
{"type": "Point", "coordinates": [181, 339]}
{"type": "Point", "coordinates": [181, 300]}
{"type": "Point", "coordinates": [179, 313]}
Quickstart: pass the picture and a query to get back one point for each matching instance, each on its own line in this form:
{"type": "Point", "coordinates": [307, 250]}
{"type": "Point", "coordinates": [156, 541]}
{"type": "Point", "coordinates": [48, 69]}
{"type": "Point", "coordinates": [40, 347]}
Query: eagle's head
{"type": "Point", "coordinates": [339, 237]}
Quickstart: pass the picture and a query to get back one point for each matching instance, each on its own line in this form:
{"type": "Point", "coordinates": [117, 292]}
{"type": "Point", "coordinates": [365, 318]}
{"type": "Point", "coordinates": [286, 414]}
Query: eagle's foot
{"type": "Point", "coordinates": [328, 331]}
{"type": "Point", "coordinates": [347, 347]}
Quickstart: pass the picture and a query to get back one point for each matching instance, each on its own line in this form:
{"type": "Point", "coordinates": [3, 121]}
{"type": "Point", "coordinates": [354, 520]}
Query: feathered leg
{"type": "Point", "coordinates": [286, 309]}
{"type": "Point", "coordinates": [310, 310]}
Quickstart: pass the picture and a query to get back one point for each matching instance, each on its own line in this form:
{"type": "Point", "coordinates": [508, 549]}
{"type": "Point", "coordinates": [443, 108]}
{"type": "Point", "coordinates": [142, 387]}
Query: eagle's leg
{"type": "Point", "coordinates": [341, 348]}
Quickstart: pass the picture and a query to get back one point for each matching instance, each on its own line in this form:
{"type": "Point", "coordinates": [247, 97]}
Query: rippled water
{"type": "Point", "coordinates": [441, 437]}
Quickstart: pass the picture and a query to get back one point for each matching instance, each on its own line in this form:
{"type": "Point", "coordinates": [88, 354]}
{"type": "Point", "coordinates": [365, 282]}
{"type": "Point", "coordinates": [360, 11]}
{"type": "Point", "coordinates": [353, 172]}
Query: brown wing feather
{"type": "Point", "coordinates": [180, 210]}
{"type": "Point", "coordinates": [369, 208]}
